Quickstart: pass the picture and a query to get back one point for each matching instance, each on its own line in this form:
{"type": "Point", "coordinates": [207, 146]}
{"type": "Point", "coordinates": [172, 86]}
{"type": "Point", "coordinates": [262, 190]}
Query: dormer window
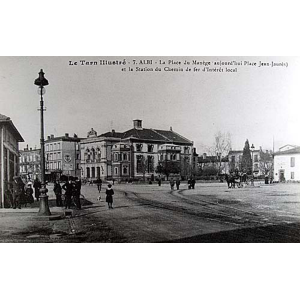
{"type": "Point", "coordinates": [150, 148]}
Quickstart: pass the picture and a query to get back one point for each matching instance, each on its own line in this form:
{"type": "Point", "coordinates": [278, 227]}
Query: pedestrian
{"type": "Point", "coordinates": [77, 192]}
{"type": "Point", "coordinates": [58, 192]}
{"type": "Point", "coordinates": [99, 184]}
{"type": "Point", "coordinates": [37, 185]}
{"type": "Point", "coordinates": [109, 196]}
{"type": "Point", "coordinates": [172, 183]}
{"type": "Point", "coordinates": [29, 194]}
{"type": "Point", "coordinates": [193, 182]}
{"type": "Point", "coordinates": [68, 187]}
{"type": "Point", "coordinates": [18, 191]}
{"type": "Point", "coordinates": [159, 181]}
{"type": "Point", "coordinates": [189, 183]}
{"type": "Point", "coordinates": [177, 183]}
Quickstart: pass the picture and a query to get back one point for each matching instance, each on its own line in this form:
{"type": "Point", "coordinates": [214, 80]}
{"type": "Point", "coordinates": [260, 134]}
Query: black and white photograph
{"type": "Point", "coordinates": [149, 149]}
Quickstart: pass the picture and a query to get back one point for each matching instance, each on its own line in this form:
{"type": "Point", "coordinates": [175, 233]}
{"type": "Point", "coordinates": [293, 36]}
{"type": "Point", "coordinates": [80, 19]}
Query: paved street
{"type": "Point", "coordinates": [149, 213]}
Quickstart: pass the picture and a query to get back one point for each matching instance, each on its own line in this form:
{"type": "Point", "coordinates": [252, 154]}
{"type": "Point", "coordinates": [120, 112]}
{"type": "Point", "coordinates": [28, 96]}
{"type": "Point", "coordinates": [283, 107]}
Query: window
{"type": "Point", "coordinates": [116, 157]}
{"type": "Point", "coordinates": [233, 158]}
{"type": "Point", "coordinates": [124, 156]}
{"type": "Point", "coordinates": [59, 165]}
{"type": "Point", "coordinates": [292, 161]}
{"type": "Point", "coordinates": [292, 175]}
{"type": "Point", "coordinates": [51, 147]}
{"type": "Point", "coordinates": [116, 171]}
{"type": "Point", "coordinates": [93, 172]}
{"type": "Point", "coordinates": [58, 146]}
{"type": "Point", "coordinates": [54, 146]}
{"type": "Point", "coordinates": [125, 170]}
{"type": "Point", "coordinates": [78, 166]}
{"type": "Point", "coordinates": [150, 148]}
{"type": "Point", "coordinates": [51, 156]}
{"type": "Point", "coordinates": [150, 165]}
{"type": "Point", "coordinates": [88, 174]}
{"type": "Point", "coordinates": [255, 167]}
{"type": "Point", "coordinates": [47, 147]}
{"type": "Point", "coordinates": [98, 172]}
{"type": "Point", "coordinates": [256, 158]}
{"type": "Point", "coordinates": [139, 164]}
{"type": "Point", "coordinates": [139, 147]}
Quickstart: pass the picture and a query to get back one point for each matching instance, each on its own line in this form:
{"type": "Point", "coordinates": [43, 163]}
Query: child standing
{"type": "Point", "coordinates": [109, 196]}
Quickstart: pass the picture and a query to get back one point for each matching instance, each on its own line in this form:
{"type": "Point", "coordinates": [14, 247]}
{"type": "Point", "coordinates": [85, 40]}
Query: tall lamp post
{"type": "Point", "coordinates": [44, 210]}
{"type": "Point", "coordinates": [252, 149]}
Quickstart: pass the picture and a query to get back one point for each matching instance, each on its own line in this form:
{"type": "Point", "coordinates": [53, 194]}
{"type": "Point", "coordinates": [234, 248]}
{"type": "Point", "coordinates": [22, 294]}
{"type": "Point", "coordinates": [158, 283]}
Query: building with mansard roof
{"type": "Point", "coordinates": [134, 154]}
{"type": "Point", "coordinates": [9, 156]}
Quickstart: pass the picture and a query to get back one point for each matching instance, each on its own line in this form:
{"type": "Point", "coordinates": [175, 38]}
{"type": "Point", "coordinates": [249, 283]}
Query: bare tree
{"type": "Point", "coordinates": [221, 146]}
{"type": "Point", "coordinates": [265, 162]}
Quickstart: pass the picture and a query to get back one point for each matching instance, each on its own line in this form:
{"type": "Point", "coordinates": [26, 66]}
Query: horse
{"type": "Point", "coordinates": [230, 179]}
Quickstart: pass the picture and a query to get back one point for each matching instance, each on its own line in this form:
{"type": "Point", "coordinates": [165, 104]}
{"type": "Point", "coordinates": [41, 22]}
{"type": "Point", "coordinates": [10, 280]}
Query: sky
{"type": "Point", "coordinates": [254, 103]}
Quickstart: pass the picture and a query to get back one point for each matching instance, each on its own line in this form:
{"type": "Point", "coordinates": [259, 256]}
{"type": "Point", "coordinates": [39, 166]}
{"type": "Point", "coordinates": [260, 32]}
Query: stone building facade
{"type": "Point", "coordinates": [133, 154]}
{"type": "Point", "coordinates": [30, 163]}
{"type": "Point", "coordinates": [9, 155]}
{"type": "Point", "coordinates": [62, 156]}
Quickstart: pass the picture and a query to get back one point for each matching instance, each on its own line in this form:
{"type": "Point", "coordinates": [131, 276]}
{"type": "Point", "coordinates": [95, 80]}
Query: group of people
{"type": "Point", "coordinates": [19, 193]}
{"type": "Point", "coordinates": [191, 183]}
{"type": "Point", "coordinates": [72, 190]}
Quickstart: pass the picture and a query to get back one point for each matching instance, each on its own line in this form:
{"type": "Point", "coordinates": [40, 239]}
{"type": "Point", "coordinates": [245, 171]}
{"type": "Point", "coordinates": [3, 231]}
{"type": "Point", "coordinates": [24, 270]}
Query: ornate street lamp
{"type": "Point", "coordinates": [44, 210]}
{"type": "Point", "coordinates": [252, 149]}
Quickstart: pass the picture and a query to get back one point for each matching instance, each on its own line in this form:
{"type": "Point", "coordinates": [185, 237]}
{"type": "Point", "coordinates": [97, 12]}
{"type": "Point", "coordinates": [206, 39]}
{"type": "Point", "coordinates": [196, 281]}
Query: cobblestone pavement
{"type": "Point", "coordinates": [149, 213]}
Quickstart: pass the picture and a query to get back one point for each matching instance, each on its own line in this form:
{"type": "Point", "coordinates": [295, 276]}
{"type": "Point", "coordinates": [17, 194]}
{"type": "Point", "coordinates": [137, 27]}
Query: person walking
{"type": "Point", "coordinates": [193, 182]}
{"type": "Point", "coordinates": [99, 184]}
{"type": "Point", "coordinates": [77, 192]}
{"type": "Point", "coordinates": [37, 185]}
{"type": "Point", "coordinates": [177, 183]}
{"type": "Point", "coordinates": [29, 194]}
{"type": "Point", "coordinates": [159, 181]}
{"type": "Point", "coordinates": [172, 183]}
{"type": "Point", "coordinates": [57, 191]}
{"type": "Point", "coordinates": [109, 196]}
{"type": "Point", "coordinates": [68, 187]}
{"type": "Point", "coordinates": [18, 191]}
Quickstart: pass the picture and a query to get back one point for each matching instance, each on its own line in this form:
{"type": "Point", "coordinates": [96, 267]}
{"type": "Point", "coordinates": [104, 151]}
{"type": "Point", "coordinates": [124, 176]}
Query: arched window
{"type": "Point", "coordinates": [125, 170]}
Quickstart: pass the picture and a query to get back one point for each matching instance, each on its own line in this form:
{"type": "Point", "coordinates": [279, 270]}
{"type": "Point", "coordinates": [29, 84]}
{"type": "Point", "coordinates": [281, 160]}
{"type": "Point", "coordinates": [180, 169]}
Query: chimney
{"type": "Point", "coordinates": [52, 136]}
{"type": "Point", "coordinates": [66, 135]}
{"type": "Point", "coordinates": [113, 132]}
{"type": "Point", "coordinates": [204, 155]}
{"type": "Point", "coordinates": [27, 147]}
{"type": "Point", "coordinates": [137, 124]}
{"type": "Point", "coordinates": [30, 148]}
{"type": "Point", "coordinates": [48, 137]}
{"type": "Point", "coordinates": [171, 129]}
{"type": "Point", "coordinates": [75, 135]}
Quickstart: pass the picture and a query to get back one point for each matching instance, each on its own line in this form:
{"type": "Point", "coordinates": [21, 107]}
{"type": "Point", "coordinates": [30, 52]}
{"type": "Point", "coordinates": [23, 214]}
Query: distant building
{"type": "Point", "coordinates": [9, 155]}
{"type": "Point", "coordinates": [62, 156]}
{"type": "Point", "coordinates": [134, 153]}
{"type": "Point", "coordinates": [217, 162]}
{"type": "Point", "coordinates": [30, 163]}
{"type": "Point", "coordinates": [287, 164]}
{"type": "Point", "coordinates": [262, 161]}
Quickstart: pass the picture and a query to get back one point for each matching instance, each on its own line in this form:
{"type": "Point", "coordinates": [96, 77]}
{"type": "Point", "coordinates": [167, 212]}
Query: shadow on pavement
{"type": "Point", "coordinates": [284, 233]}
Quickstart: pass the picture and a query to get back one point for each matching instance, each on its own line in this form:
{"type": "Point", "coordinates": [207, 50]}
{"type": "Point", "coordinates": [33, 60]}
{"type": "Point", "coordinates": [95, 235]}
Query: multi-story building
{"type": "Point", "coordinates": [62, 156]}
{"type": "Point", "coordinates": [9, 153]}
{"type": "Point", "coordinates": [262, 161]}
{"type": "Point", "coordinates": [287, 164]}
{"type": "Point", "coordinates": [30, 163]}
{"type": "Point", "coordinates": [134, 153]}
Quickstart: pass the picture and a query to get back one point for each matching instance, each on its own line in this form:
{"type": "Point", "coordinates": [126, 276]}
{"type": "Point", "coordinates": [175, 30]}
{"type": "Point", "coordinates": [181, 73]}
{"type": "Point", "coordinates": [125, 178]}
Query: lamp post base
{"type": "Point", "coordinates": [44, 206]}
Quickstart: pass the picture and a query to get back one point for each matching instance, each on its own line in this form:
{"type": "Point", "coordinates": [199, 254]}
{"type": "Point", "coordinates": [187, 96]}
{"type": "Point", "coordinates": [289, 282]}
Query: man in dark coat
{"type": "Point", "coordinates": [177, 183]}
{"type": "Point", "coordinates": [68, 187]}
{"type": "Point", "coordinates": [57, 191]}
{"type": "Point", "coordinates": [18, 192]}
{"type": "Point", "coordinates": [77, 192]}
{"type": "Point", "coordinates": [37, 185]}
{"type": "Point", "coordinates": [99, 184]}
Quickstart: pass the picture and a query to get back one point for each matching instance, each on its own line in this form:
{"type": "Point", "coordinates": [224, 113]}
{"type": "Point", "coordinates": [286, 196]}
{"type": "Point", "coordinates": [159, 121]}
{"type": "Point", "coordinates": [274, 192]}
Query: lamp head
{"type": "Point", "coordinates": [41, 80]}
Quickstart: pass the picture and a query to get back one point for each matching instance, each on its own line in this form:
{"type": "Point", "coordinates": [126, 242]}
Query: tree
{"type": "Point", "coordinates": [246, 165]}
{"type": "Point", "coordinates": [265, 162]}
{"type": "Point", "coordinates": [168, 167]}
{"type": "Point", "coordinates": [220, 148]}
